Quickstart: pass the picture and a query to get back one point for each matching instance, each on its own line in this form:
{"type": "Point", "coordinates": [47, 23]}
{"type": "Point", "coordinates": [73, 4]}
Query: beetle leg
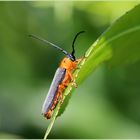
{"type": "Point", "coordinates": [53, 107]}
{"type": "Point", "coordinates": [78, 61]}
{"type": "Point", "coordinates": [61, 88]}
{"type": "Point", "coordinates": [72, 79]}
{"type": "Point", "coordinates": [74, 84]}
{"type": "Point", "coordinates": [59, 93]}
{"type": "Point", "coordinates": [60, 96]}
{"type": "Point", "coordinates": [54, 104]}
{"type": "Point", "coordinates": [70, 75]}
{"type": "Point", "coordinates": [61, 99]}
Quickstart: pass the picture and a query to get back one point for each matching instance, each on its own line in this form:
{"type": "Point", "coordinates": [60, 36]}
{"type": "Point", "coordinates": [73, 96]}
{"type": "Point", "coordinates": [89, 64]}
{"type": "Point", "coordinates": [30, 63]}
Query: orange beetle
{"type": "Point", "coordinates": [63, 76]}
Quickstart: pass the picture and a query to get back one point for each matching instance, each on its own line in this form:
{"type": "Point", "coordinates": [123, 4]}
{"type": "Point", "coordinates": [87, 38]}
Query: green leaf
{"type": "Point", "coordinates": [118, 46]}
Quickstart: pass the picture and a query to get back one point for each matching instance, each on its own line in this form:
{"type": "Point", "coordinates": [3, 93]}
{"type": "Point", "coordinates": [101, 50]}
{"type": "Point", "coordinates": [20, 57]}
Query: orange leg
{"type": "Point", "coordinates": [63, 85]}
{"type": "Point", "coordinates": [79, 60]}
{"type": "Point", "coordinates": [72, 79]}
{"type": "Point", "coordinates": [55, 101]}
{"type": "Point", "coordinates": [58, 95]}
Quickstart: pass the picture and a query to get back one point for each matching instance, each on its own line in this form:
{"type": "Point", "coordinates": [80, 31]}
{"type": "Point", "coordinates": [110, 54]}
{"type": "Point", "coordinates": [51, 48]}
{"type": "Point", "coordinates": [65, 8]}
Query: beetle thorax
{"type": "Point", "coordinates": [68, 64]}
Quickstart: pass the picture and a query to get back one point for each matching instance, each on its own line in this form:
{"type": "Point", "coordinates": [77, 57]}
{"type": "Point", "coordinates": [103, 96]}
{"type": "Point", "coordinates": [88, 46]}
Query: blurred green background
{"type": "Point", "coordinates": [106, 105]}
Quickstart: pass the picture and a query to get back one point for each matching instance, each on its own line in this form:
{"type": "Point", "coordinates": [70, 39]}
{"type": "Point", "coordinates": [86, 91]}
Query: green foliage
{"type": "Point", "coordinates": [118, 46]}
{"type": "Point", "coordinates": [106, 102]}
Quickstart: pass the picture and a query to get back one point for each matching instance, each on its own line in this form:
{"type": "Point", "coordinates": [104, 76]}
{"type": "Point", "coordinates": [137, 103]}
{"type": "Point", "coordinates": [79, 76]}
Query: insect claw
{"type": "Point", "coordinates": [74, 84]}
{"type": "Point", "coordinates": [61, 99]}
{"type": "Point", "coordinates": [61, 102]}
{"type": "Point", "coordinates": [78, 67]}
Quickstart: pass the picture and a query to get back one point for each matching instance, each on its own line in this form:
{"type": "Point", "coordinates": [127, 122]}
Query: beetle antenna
{"type": "Point", "coordinates": [73, 50]}
{"type": "Point", "coordinates": [49, 43]}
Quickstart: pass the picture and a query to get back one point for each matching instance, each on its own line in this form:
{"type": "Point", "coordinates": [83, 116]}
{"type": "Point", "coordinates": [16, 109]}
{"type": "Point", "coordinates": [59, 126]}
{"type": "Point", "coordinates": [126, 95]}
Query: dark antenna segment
{"type": "Point", "coordinates": [73, 50]}
{"type": "Point", "coordinates": [49, 43]}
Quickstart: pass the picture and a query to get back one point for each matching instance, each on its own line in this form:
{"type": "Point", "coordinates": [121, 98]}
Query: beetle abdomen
{"type": "Point", "coordinates": [58, 77]}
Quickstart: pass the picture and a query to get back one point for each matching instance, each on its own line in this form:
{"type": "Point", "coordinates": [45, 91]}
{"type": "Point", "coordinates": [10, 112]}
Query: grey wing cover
{"type": "Point", "coordinates": [58, 77]}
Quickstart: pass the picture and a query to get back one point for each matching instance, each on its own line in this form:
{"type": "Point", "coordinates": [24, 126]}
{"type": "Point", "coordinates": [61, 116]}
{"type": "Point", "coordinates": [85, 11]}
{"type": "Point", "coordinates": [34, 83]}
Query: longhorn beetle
{"type": "Point", "coordinates": [63, 76]}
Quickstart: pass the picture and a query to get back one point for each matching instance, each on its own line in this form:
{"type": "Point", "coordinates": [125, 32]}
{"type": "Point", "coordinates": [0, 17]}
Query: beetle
{"type": "Point", "coordinates": [63, 76]}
